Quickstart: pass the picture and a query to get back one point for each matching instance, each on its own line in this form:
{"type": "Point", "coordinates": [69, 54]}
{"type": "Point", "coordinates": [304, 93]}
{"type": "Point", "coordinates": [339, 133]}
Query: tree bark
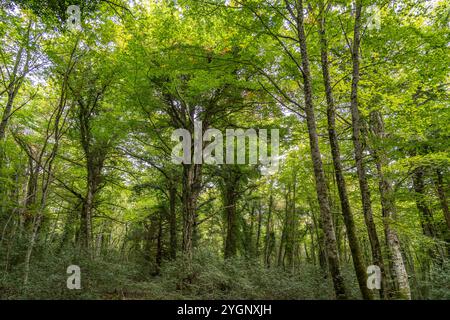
{"type": "Point", "coordinates": [159, 244]}
{"type": "Point", "coordinates": [398, 269]}
{"type": "Point", "coordinates": [232, 228]}
{"type": "Point", "coordinates": [443, 197]}
{"type": "Point", "coordinates": [361, 171]}
{"type": "Point", "coordinates": [95, 157]}
{"type": "Point", "coordinates": [321, 186]}
{"type": "Point", "coordinates": [358, 262]}
{"type": "Point", "coordinates": [426, 217]}
{"type": "Point", "coordinates": [95, 150]}
{"type": "Point", "coordinates": [191, 191]}
{"type": "Point", "coordinates": [173, 221]}
{"type": "Point", "coordinates": [86, 217]}
{"type": "Point", "coordinates": [267, 245]}
{"type": "Point", "coordinates": [291, 234]}
{"type": "Point", "coordinates": [284, 232]}
{"type": "Point", "coordinates": [258, 232]}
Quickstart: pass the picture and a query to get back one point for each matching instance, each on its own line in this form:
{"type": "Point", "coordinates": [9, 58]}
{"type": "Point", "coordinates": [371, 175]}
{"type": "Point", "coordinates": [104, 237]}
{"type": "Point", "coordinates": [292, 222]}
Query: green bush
{"type": "Point", "coordinates": [100, 278]}
{"type": "Point", "coordinates": [207, 276]}
{"type": "Point", "coordinates": [440, 281]}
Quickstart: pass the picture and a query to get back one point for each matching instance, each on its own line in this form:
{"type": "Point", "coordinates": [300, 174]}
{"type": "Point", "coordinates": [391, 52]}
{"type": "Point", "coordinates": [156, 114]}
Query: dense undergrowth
{"type": "Point", "coordinates": [208, 276]}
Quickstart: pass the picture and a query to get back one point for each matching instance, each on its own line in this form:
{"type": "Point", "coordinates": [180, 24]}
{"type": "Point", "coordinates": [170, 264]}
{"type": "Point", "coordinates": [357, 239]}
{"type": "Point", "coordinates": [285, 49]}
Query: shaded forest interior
{"type": "Point", "coordinates": [358, 90]}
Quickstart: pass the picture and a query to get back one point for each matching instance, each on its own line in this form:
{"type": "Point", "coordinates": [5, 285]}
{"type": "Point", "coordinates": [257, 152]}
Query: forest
{"type": "Point", "coordinates": [340, 110]}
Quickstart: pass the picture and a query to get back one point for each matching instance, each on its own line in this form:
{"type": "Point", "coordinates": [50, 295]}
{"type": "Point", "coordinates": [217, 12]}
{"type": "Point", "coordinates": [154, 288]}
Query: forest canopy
{"type": "Point", "coordinates": [334, 186]}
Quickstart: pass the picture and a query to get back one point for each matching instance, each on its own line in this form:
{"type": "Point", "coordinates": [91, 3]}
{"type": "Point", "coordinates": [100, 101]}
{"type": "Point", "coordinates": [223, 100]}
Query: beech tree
{"type": "Point", "coordinates": [89, 117]}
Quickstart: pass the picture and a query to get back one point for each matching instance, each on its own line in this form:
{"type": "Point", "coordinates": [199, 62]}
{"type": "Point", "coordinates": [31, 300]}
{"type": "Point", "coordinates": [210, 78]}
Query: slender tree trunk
{"type": "Point", "coordinates": [99, 242]}
{"type": "Point", "coordinates": [321, 186]}
{"type": "Point", "coordinates": [258, 232]}
{"type": "Point", "coordinates": [94, 169]}
{"type": "Point", "coordinates": [6, 115]}
{"type": "Point", "coordinates": [267, 246]}
{"type": "Point", "coordinates": [361, 171]}
{"type": "Point", "coordinates": [31, 194]}
{"type": "Point", "coordinates": [249, 240]}
{"type": "Point", "coordinates": [46, 180]}
{"type": "Point", "coordinates": [316, 227]}
{"type": "Point", "coordinates": [291, 239]}
{"type": "Point", "coordinates": [173, 221]}
{"type": "Point", "coordinates": [295, 223]}
{"type": "Point", "coordinates": [232, 228]}
{"type": "Point", "coordinates": [191, 191]}
{"type": "Point", "coordinates": [358, 262]}
{"type": "Point", "coordinates": [95, 154]}
{"type": "Point", "coordinates": [86, 220]}
{"type": "Point", "coordinates": [31, 245]}
{"type": "Point", "coordinates": [426, 217]}
{"type": "Point", "coordinates": [150, 230]}
{"type": "Point", "coordinates": [442, 197]}
{"type": "Point", "coordinates": [398, 269]}
{"type": "Point", "coordinates": [284, 232]}
{"type": "Point", "coordinates": [308, 258]}
{"type": "Point", "coordinates": [159, 244]}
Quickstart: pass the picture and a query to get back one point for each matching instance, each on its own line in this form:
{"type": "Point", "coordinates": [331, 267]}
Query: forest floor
{"type": "Point", "coordinates": [206, 277]}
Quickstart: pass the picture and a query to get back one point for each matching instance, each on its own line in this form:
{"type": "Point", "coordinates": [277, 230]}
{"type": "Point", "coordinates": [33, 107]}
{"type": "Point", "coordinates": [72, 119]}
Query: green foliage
{"type": "Point", "coordinates": [105, 278]}
{"type": "Point", "coordinates": [88, 118]}
{"type": "Point", "coordinates": [440, 281]}
{"type": "Point", "coordinates": [207, 276]}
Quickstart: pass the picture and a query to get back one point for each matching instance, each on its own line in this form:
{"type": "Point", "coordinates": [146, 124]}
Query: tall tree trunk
{"type": "Point", "coordinates": [36, 226]}
{"type": "Point", "coordinates": [291, 236]}
{"type": "Point", "coordinates": [426, 217]}
{"type": "Point", "coordinates": [232, 228]}
{"type": "Point", "coordinates": [398, 269]}
{"type": "Point", "coordinates": [356, 124]}
{"type": "Point", "coordinates": [191, 191]}
{"type": "Point", "coordinates": [251, 234]}
{"type": "Point", "coordinates": [358, 262]}
{"type": "Point", "coordinates": [173, 220]}
{"type": "Point", "coordinates": [39, 215]}
{"type": "Point", "coordinates": [31, 195]}
{"type": "Point", "coordinates": [442, 197]}
{"type": "Point", "coordinates": [284, 232]}
{"type": "Point", "coordinates": [321, 186]}
{"type": "Point", "coordinates": [6, 113]}
{"type": "Point", "coordinates": [316, 227]}
{"type": "Point", "coordinates": [86, 218]}
{"type": "Point", "coordinates": [94, 167]}
{"type": "Point", "coordinates": [258, 232]}
{"type": "Point", "coordinates": [231, 176]}
{"type": "Point", "coordinates": [95, 151]}
{"type": "Point", "coordinates": [267, 245]}
{"type": "Point", "coordinates": [159, 245]}
{"type": "Point", "coordinates": [295, 224]}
